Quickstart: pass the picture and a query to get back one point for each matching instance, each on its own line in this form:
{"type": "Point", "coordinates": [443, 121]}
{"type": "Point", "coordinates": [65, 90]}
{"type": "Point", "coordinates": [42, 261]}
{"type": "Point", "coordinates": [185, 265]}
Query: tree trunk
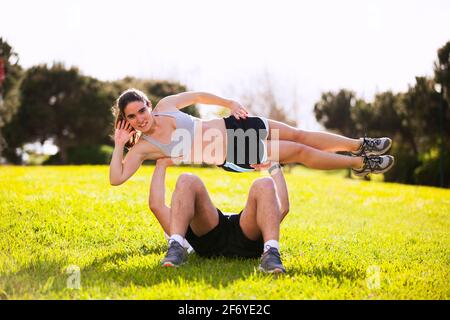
{"type": "Point", "coordinates": [63, 151]}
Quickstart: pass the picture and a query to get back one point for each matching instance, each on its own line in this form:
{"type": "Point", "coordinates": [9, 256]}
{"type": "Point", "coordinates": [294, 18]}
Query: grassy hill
{"type": "Point", "coordinates": [342, 239]}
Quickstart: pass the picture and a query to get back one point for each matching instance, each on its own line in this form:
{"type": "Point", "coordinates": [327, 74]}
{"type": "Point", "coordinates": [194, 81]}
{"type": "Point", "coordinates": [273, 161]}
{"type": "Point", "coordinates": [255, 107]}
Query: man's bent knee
{"type": "Point", "coordinates": [187, 180]}
{"type": "Point", "coordinates": [264, 185]}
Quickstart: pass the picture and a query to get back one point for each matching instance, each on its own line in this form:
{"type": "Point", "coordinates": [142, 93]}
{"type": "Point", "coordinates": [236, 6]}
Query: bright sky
{"type": "Point", "coordinates": [221, 46]}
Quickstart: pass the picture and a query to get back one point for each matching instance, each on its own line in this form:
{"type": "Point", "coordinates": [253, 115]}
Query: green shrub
{"type": "Point", "coordinates": [90, 154]}
{"type": "Point", "coordinates": [429, 172]}
{"type": "Point", "coordinates": [405, 164]}
{"type": "Point", "coordinates": [85, 154]}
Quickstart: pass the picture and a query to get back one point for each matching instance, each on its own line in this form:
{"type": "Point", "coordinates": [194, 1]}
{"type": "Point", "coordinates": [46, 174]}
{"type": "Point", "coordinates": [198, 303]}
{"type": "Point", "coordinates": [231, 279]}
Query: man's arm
{"type": "Point", "coordinates": [157, 194]}
{"type": "Point", "coordinates": [276, 172]}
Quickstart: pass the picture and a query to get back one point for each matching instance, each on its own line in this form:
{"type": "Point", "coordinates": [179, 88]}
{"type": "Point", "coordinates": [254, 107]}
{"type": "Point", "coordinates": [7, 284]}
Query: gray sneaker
{"type": "Point", "coordinates": [373, 147]}
{"type": "Point", "coordinates": [374, 164]}
{"type": "Point", "coordinates": [271, 262]}
{"type": "Point", "coordinates": [176, 255]}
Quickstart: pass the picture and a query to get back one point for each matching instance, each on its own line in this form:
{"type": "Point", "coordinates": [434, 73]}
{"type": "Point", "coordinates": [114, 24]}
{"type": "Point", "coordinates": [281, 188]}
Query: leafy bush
{"type": "Point", "coordinates": [429, 172]}
{"type": "Point", "coordinates": [405, 164]}
{"type": "Point", "coordinates": [85, 154]}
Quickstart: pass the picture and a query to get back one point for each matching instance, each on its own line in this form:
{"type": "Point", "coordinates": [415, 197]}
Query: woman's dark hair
{"type": "Point", "coordinates": [126, 97]}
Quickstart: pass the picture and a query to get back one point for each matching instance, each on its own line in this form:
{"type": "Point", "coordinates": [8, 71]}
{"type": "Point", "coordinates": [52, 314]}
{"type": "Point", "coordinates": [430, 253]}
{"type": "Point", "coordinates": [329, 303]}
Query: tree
{"type": "Point", "coordinates": [442, 70]}
{"type": "Point", "coordinates": [420, 111]}
{"type": "Point", "coordinates": [10, 77]}
{"type": "Point", "coordinates": [442, 77]}
{"type": "Point", "coordinates": [72, 110]}
{"type": "Point", "coordinates": [337, 112]}
{"type": "Point", "coordinates": [334, 111]}
{"type": "Point", "coordinates": [388, 118]}
{"type": "Point", "coordinates": [416, 120]}
{"type": "Point", "coordinates": [62, 105]}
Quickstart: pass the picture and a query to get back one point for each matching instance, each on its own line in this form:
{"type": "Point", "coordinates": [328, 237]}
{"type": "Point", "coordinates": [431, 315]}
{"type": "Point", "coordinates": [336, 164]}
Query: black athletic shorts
{"type": "Point", "coordinates": [226, 239]}
{"type": "Point", "coordinates": [245, 143]}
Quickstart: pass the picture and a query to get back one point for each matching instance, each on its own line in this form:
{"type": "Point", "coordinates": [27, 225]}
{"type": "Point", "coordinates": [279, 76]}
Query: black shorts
{"type": "Point", "coordinates": [226, 239]}
{"type": "Point", "coordinates": [245, 143]}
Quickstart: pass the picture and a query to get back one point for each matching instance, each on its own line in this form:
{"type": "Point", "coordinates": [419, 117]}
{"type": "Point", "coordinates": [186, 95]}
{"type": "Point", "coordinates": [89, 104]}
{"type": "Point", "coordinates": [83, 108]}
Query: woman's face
{"type": "Point", "coordinates": [139, 116]}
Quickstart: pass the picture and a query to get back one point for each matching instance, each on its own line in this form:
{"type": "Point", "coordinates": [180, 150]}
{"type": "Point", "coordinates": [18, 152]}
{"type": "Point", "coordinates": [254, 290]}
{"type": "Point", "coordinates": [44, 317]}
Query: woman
{"type": "Point", "coordinates": [235, 143]}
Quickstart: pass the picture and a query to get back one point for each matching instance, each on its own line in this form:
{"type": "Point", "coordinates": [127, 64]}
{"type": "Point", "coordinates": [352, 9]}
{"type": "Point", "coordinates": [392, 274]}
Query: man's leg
{"type": "Point", "coordinates": [191, 205]}
{"type": "Point", "coordinates": [261, 217]}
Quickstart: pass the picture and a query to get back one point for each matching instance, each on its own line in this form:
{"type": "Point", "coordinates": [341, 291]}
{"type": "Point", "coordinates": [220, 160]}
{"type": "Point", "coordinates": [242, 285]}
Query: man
{"type": "Point", "coordinates": [194, 218]}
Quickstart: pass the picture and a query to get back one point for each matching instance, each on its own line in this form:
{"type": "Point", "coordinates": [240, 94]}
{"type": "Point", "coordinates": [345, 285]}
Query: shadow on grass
{"type": "Point", "coordinates": [45, 277]}
{"type": "Point", "coordinates": [216, 272]}
{"type": "Point", "coordinates": [330, 270]}
{"type": "Point", "coordinates": [141, 267]}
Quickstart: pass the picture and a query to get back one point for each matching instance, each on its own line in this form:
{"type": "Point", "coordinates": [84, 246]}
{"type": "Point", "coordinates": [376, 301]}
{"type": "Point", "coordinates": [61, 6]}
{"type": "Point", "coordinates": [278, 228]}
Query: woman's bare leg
{"type": "Point", "coordinates": [324, 141]}
{"type": "Point", "coordinates": [292, 152]}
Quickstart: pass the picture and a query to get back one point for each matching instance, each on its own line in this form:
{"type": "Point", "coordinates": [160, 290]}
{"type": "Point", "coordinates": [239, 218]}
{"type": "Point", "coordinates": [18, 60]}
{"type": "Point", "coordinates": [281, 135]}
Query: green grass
{"type": "Point", "coordinates": [337, 231]}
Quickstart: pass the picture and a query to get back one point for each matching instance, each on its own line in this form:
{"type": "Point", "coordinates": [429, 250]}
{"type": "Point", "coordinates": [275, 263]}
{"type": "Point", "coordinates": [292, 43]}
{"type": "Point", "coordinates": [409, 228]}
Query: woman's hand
{"type": "Point", "coordinates": [262, 166]}
{"type": "Point", "coordinates": [124, 132]}
{"type": "Point", "coordinates": [238, 111]}
{"type": "Point", "coordinates": [271, 166]}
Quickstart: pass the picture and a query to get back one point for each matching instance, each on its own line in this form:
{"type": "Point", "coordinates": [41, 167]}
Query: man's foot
{"type": "Point", "coordinates": [373, 147]}
{"type": "Point", "coordinates": [374, 164]}
{"type": "Point", "coordinates": [176, 255]}
{"type": "Point", "coordinates": [271, 262]}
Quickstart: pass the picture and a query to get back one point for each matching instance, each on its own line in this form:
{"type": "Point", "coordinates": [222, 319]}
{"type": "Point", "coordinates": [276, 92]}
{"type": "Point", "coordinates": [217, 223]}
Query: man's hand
{"type": "Point", "coordinates": [165, 162]}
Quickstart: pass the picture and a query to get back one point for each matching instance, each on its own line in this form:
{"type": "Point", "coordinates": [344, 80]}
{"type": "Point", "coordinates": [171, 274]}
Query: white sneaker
{"type": "Point", "coordinates": [375, 164]}
{"type": "Point", "coordinates": [373, 147]}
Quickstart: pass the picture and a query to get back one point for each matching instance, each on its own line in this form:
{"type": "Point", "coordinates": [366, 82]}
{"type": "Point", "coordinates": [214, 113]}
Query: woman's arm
{"type": "Point", "coordinates": [120, 170]}
{"type": "Point", "coordinates": [184, 99]}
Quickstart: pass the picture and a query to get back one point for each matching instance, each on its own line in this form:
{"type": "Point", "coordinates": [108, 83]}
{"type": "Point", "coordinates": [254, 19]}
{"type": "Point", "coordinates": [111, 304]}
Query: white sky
{"type": "Point", "coordinates": [221, 46]}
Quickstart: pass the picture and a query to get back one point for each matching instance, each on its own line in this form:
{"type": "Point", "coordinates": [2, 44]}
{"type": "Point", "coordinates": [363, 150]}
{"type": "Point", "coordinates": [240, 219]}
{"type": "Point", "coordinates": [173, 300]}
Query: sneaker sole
{"type": "Point", "coordinates": [274, 271]}
{"type": "Point", "coordinates": [171, 265]}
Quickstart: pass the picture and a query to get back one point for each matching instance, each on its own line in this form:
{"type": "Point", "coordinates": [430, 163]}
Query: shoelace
{"type": "Point", "coordinates": [272, 251]}
{"type": "Point", "coordinates": [175, 246]}
{"type": "Point", "coordinates": [370, 142]}
{"type": "Point", "coordinates": [372, 161]}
